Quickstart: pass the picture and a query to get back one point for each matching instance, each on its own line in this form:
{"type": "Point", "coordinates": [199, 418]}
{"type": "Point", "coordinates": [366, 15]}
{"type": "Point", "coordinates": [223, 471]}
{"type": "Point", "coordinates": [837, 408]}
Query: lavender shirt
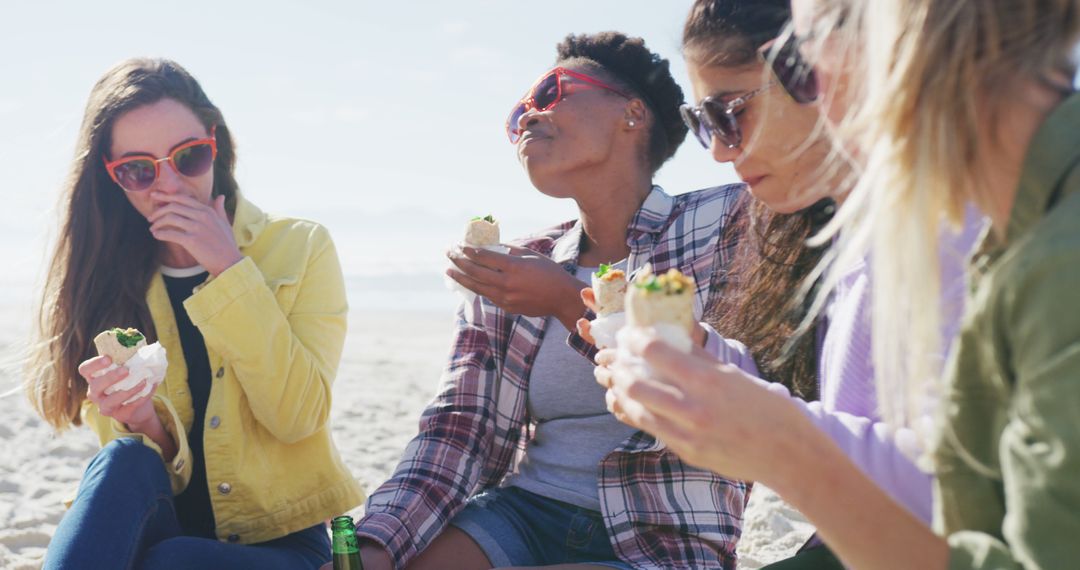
{"type": "Point", "coordinates": [847, 411]}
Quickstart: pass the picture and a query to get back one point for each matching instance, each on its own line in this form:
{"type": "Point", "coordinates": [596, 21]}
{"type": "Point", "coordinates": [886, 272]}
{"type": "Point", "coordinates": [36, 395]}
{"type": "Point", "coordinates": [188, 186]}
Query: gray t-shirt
{"type": "Point", "coordinates": [574, 430]}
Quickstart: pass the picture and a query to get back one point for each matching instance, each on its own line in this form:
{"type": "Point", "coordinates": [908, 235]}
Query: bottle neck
{"type": "Point", "coordinates": [343, 523]}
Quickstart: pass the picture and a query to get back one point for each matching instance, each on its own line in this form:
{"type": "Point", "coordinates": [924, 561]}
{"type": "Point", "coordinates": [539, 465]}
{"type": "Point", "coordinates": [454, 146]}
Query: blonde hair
{"type": "Point", "coordinates": [931, 76]}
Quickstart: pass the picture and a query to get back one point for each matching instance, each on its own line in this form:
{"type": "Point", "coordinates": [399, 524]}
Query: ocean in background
{"type": "Point", "coordinates": [392, 261]}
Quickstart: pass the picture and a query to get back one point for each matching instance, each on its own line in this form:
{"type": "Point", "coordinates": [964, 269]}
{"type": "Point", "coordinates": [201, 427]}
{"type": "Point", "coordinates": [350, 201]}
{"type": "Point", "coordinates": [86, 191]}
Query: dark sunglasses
{"type": "Point", "coordinates": [551, 88]}
{"type": "Point", "coordinates": [792, 72]}
{"type": "Point", "coordinates": [139, 172]}
{"type": "Point", "coordinates": [716, 118]}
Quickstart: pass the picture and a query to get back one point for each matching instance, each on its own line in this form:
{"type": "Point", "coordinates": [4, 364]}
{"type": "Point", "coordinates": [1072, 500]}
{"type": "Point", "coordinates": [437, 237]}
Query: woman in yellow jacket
{"type": "Point", "coordinates": [229, 462]}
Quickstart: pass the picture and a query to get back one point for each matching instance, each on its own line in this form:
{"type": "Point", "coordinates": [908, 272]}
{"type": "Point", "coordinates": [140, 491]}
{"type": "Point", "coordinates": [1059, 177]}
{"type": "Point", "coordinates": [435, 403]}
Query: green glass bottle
{"type": "Point", "coordinates": [346, 551]}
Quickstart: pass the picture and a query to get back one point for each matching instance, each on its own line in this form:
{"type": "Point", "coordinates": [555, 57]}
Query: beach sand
{"type": "Point", "coordinates": [389, 373]}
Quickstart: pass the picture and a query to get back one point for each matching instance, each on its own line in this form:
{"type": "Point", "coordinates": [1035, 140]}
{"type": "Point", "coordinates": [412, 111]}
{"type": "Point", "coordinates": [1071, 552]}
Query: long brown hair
{"type": "Point", "coordinates": [105, 256]}
{"type": "Point", "coordinates": [760, 304]}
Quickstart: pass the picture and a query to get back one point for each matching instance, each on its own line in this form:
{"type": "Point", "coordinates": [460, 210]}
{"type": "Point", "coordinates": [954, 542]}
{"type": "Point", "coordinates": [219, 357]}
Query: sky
{"type": "Point", "coordinates": [382, 120]}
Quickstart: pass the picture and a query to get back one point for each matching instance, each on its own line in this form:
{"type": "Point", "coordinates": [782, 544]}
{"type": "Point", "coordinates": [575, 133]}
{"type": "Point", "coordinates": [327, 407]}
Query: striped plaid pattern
{"type": "Point", "coordinates": [659, 511]}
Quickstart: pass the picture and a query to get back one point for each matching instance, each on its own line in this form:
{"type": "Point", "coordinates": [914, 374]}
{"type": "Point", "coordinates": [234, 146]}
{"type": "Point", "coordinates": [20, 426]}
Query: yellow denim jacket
{"type": "Point", "coordinates": [274, 325]}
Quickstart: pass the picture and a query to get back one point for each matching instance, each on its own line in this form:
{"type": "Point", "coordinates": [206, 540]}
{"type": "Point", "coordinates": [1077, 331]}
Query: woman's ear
{"type": "Point", "coordinates": [634, 114]}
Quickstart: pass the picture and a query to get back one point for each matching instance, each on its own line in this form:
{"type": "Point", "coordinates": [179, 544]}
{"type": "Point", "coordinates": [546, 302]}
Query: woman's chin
{"type": "Point", "coordinates": [779, 198]}
{"type": "Point", "coordinates": [551, 190]}
{"type": "Point", "coordinates": [548, 183]}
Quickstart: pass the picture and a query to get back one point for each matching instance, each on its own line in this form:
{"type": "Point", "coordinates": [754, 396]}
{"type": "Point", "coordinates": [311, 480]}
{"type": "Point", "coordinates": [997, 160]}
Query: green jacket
{"type": "Point", "coordinates": [274, 326]}
{"type": "Point", "coordinates": [1008, 491]}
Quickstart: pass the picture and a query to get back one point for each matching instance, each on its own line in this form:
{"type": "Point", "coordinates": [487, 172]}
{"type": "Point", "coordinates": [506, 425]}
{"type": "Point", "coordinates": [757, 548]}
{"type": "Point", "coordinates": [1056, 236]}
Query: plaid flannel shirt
{"type": "Point", "coordinates": [659, 512]}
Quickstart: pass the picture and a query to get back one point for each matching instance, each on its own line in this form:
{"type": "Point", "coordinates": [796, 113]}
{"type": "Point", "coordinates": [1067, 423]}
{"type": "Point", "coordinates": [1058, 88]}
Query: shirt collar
{"type": "Point", "coordinates": [248, 222]}
{"type": "Point", "coordinates": [652, 218]}
{"type": "Point", "coordinates": [1054, 152]}
{"type": "Point", "coordinates": [650, 221]}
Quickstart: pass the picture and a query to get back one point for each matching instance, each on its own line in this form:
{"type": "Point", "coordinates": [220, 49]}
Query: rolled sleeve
{"type": "Point", "coordinates": [217, 294]}
{"type": "Point", "coordinates": [179, 468]}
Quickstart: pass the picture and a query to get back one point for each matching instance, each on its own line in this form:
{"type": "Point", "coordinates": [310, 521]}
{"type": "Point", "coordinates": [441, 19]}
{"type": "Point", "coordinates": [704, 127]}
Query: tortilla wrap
{"type": "Point", "coordinates": [108, 344]}
{"type": "Point", "coordinates": [481, 232]}
{"type": "Point", "coordinates": [666, 299]}
{"type": "Point", "coordinates": [609, 290]}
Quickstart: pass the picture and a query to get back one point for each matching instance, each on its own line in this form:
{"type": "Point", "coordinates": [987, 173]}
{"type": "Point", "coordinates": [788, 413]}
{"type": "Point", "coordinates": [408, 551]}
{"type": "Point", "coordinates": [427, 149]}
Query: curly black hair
{"type": "Point", "coordinates": [643, 73]}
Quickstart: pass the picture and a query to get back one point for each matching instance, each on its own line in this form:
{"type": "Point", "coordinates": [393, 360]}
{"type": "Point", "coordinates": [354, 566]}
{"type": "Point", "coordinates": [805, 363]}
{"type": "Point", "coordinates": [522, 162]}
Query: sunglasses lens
{"type": "Point", "coordinates": [546, 93]}
{"type": "Point", "coordinates": [794, 74]}
{"type": "Point", "coordinates": [696, 126]}
{"type": "Point", "coordinates": [194, 160]}
{"type": "Point", "coordinates": [135, 175]}
{"type": "Point", "coordinates": [512, 129]}
{"type": "Point", "coordinates": [723, 124]}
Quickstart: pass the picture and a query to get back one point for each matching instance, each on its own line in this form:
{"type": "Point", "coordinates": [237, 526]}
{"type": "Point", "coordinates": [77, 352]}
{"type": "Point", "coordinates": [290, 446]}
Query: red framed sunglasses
{"type": "Point", "coordinates": [551, 88]}
{"type": "Point", "coordinates": [139, 172]}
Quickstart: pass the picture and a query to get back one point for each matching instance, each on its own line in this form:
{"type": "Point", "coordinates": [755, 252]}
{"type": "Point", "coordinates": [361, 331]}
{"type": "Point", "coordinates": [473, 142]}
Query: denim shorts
{"type": "Point", "coordinates": [517, 528]}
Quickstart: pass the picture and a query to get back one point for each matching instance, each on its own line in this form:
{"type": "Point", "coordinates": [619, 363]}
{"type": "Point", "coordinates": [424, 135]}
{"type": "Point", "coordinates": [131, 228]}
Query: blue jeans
{"type": "Point", "coordinates": [517, 528]}
{"type": "Point", "coordinates": [123, 518]}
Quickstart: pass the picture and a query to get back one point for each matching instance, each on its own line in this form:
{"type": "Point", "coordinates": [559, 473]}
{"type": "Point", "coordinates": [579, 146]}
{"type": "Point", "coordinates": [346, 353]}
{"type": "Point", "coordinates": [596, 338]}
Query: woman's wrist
{"type": "Point", "coordinates": [220, 267]}
{"type": "Point", "coordinates": [811, 457]}
{"type": "Point", "coordinates": [795, 457]}
{"type": "Point", "coordinates": [147, 424]}
{"type": "Point", "coordinates": [154, 429]}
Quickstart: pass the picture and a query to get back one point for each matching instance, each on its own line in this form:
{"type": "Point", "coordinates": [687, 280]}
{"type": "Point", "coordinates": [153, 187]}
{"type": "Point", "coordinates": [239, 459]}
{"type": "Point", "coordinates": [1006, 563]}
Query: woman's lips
{"type": "Point", "coordinates": [530, 137]}
{"type": "Point", "coordinates": [752, 181]}
{"type": "Point", "coordinates": [528, 140]}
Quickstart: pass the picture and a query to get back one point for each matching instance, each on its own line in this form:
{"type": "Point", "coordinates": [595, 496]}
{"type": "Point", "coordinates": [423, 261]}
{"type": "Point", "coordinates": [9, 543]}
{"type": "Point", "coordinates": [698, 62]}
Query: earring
{"type": "Point", "coordinates": [631, 123]}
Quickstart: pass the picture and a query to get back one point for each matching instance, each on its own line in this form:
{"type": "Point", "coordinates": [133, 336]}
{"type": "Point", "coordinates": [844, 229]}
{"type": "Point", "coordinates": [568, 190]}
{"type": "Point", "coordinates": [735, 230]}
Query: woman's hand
{"type": "Point", "coordinates": [712, 415]}
{"type": "Point", "coordinates": [203, 230]}
{"type": "Point", "coordinates": [522, 282]}
{"type": "Point", "coordinates": [716, 417]}
{"type": "Point", "coordinates": [584, 326]}
{"type": "Point", "coordinates": [135, 414]}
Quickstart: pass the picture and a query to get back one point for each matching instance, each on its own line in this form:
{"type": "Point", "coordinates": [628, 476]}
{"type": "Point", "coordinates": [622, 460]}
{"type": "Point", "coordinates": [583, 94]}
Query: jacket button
{"type": "Point", "coordinates": [224, 488]}
{"type": "Point", "coordinates": [215, 422]}
{"type": "Point", "coordinates": [220, 372]}
{"type": "Point", "coordinates": [234, 538]}
{"type": "Point", "coordinates": [179, 465]}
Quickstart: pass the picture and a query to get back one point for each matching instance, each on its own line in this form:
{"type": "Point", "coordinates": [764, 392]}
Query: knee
{"type": "Point", "coordinates": [128, 456]}
{"type": "Point", "coordinates": [126, 451]}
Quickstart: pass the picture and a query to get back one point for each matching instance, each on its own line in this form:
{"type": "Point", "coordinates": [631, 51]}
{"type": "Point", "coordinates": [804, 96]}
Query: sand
{"type": "Point", "coordinates": [389, 373]}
